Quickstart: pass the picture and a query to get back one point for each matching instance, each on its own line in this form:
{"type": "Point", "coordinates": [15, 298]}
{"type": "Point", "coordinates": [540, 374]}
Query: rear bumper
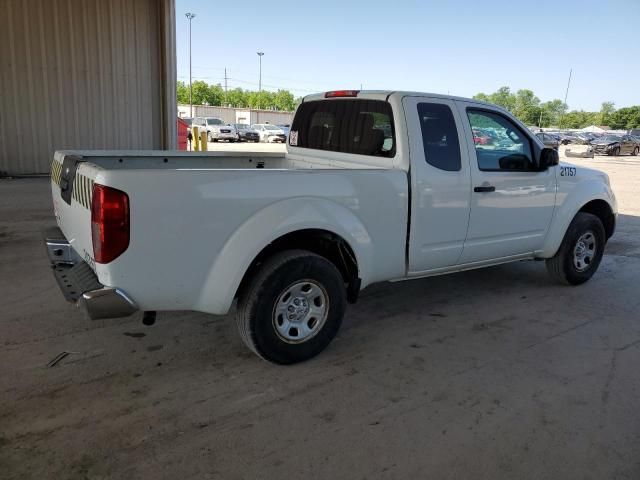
{"type": "Point", "coordinates": [79, 283]}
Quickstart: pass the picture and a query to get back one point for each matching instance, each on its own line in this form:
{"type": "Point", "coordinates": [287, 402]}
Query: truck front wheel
{"type": "Point", "coordinates": [292, 307]}
{"type": "Point", "coordinates": [581, 251]}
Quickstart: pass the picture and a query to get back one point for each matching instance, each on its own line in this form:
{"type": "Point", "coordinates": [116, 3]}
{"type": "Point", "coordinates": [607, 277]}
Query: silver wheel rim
{"type": "Point", "coordinates": [300, 311]}
{"type": "Point", "coordinates": [584, 252]}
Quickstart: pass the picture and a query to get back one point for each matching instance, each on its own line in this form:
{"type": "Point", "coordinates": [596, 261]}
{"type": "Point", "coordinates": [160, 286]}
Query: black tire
{"type": "Point", "coordinates": [616, 152]}
{"type": "Point", "coordinates": [562, 266]}
{"type": "Point", "coordinates": [256, 315]}
{"type": "Point", "coordinates": [635, 151]}
{"type": "Point", "coordinates": [215, 140]}
{"type": "Point", "coordinates": [231, 140]}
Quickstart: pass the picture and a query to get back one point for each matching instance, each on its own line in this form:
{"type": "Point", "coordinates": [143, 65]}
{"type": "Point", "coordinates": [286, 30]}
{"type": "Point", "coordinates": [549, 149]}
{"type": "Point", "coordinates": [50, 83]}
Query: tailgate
{"type": "Point", "coordinates": [72, 180]}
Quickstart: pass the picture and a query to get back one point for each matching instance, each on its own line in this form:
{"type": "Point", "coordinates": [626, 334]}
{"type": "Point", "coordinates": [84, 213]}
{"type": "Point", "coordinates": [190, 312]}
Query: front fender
{"type": "Point", "coordinates": [569, 203]}
{"type": "Point", "coordinates": [271, 223]}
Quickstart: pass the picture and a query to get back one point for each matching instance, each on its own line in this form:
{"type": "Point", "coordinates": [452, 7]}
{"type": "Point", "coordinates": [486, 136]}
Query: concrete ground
{"type": "Point", "coordinates": [495, 373]}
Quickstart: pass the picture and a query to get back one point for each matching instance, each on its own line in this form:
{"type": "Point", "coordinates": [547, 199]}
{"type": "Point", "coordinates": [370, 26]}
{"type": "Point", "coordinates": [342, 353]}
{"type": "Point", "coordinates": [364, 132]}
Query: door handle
{"type": "Point", "coordinates": [484, 189]}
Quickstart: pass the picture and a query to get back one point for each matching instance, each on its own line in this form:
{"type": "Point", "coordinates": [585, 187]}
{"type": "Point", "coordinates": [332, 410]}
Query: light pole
{"type": "Point", "coordinates": [190, 16]}
{"type": "Point", "coordinates": [260, 54]}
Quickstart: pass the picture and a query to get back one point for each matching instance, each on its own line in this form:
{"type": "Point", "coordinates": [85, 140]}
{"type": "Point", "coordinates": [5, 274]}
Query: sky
{"type": "Point", "coordinates": [456, 47]}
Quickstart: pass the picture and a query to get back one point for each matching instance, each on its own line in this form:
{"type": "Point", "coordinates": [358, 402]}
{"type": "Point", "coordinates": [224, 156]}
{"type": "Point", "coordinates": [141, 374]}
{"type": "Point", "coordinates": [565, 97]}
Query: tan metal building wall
{"type": "Point", "coordinates": [84, 74]}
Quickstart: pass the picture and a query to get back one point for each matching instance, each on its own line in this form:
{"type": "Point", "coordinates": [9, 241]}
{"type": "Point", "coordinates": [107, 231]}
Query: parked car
{"type": "Point", "coordinates": [295, 236]}
{"type": "Point", "coordinates": [615, 145]}
{"type": "Point", "coordinates": [269, 133]}
{"type": "Point", "coordinates": [549, 140]}
{"type": "Point", "coordinates": [246, 133]}
{"type": "Point", "coordinates": [567, 138]}
{"type": "Point", "coordinates": [481, 138]}
{"type": "Point", "coordinates": [216, 129]}
{"type": "Point", "coordinates": [285, 129]}
{"type": "Point", "coordinates": [586, 137]}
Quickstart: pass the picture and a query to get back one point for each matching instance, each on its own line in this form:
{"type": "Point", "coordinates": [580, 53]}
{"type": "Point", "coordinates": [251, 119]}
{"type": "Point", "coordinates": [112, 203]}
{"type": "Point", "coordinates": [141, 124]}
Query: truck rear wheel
{"type": "Point", "coordinates": [581, 251]}
{"type": "Point", "coordinates": [292, 308]}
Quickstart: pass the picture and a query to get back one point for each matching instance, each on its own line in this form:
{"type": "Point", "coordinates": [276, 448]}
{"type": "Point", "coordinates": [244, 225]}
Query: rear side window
{"type": "Point", "coordinates": [363, 127]}
{"type": "Point", "coordinates": [439, 136]}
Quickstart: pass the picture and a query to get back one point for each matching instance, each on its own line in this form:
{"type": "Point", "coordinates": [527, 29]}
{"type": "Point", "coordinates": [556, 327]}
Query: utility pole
{"type": "Point", "coordinates": [190, 16]}
{"type": "Point", "coordinates": [566, 94]}
{"type": "Point", "coordinates": [225, 86]}
{"type": "Point", "coordinates": [260, 54]}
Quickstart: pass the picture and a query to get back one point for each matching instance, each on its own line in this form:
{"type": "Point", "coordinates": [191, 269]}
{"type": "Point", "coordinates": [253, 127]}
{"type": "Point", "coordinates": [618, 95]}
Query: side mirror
{"type": "Point", "coordinates": [549, 158]}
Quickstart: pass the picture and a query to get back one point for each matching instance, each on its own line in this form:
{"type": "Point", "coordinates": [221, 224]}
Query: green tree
{"type": "Point", "coordinates": [200, 92]}
{"type": "Point", "coordinates": [578, 119]}
{"type": "Point", "coordinates": [527, 107]}
{"type": "Point", "coordinates": [284, 100]}
{"type": "Point", "coordinates": [204, 93]}
{"type": "Point", "coordinates": [182, 92]}
{"type": "Point", "coordinates": [261, 100]}
{"type": "Point", "coordinates": [624, 118]}
{"type": "Point", "coordinates": [606, 110]}
{"type": "Point", "coordinates": [237, 98]}
{"type": "Point", "coordinates": [216, 95]}
{"type": "Point", "coordinates": [504, 98]}
{"type": "Point", "coordinates": [551, 112]}
{"type": "Point", "coordinates": [483, 97]}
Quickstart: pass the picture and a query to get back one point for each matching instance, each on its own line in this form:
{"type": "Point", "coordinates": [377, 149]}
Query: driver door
{"type": "Point", "coordinates": [511, 202]}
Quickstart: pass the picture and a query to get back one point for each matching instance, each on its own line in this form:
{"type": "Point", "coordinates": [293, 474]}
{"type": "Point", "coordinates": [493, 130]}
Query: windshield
{"type": "Point", "coordinates": [188, 121]}
{"type": "Point", "coordinates": [214, 121]}
{"type": "Point", "coordinates": [609, 139]}
{"type": "Point", "coordinates": [271, 127]}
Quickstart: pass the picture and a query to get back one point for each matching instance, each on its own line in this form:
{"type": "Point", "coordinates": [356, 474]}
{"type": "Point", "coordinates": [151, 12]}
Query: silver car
{"type": "Point", "coordinates": [216, 129]}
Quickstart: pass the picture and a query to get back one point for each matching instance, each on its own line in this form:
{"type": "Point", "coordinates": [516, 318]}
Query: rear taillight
{"type": "Point", "coordinates": [341, 93]}
{"type": "Point", "coordinates": [109, 223]}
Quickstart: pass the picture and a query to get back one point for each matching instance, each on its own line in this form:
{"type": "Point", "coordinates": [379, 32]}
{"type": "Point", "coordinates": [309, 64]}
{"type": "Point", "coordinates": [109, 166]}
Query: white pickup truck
{"type": "Point", "coordinates": [375, 186]}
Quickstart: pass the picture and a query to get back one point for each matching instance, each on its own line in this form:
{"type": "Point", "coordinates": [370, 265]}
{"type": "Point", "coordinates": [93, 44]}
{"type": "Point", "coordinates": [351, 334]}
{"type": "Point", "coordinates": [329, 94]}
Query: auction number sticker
{"type": "Point", "coordinates": [567, 171]}
{"type": "Point", "coordinates": [293, 138]}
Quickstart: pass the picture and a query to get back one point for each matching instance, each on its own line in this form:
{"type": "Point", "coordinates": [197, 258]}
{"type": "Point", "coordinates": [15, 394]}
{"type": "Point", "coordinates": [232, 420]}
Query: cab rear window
{"type": "Point", "coordinates": [362, 127]}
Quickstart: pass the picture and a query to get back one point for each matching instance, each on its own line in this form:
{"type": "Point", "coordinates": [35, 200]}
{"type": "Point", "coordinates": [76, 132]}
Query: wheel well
{"type": "Point", "coordinates": [321, 242]}
{"type": "Point", "coordinates": [602, 210]}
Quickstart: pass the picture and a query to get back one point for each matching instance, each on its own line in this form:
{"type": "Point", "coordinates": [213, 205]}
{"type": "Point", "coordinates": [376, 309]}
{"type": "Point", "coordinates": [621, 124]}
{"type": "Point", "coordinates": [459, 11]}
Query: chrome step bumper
{"type": "Point", "coordinates": [79, 283]}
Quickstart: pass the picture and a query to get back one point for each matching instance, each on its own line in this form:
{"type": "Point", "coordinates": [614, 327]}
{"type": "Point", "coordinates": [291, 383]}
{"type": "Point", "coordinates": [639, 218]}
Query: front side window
{"type": "Point", "coordinates": [500, 144]}
{"type": "Point", "coordinates": [439, 136]}
{"type": "Point", "coordinates": [214, 121]}
{"type": "Point", "coordinates": [362, 127]}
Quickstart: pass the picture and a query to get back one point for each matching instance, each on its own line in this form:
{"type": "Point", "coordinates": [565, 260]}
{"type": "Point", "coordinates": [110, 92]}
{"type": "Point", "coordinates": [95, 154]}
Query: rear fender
{"type": "Point", "coordinates": [271, 223]}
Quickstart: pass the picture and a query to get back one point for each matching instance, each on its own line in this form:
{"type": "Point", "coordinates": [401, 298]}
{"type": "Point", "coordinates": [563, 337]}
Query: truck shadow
{"type": "Point", "coordinates": [504, 295]}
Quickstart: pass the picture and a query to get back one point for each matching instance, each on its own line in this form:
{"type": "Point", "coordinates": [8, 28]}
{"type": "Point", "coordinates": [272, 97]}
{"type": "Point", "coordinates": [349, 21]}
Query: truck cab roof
{"type": "Point", "coordinates": [384, 95]}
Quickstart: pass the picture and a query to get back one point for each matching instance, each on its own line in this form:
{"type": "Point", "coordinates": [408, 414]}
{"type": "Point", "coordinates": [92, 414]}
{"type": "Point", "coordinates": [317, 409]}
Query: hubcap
{"type": "Point", "coordinates": [300, 311]}
{"type": "Point", "coordinates": [584, 252]}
